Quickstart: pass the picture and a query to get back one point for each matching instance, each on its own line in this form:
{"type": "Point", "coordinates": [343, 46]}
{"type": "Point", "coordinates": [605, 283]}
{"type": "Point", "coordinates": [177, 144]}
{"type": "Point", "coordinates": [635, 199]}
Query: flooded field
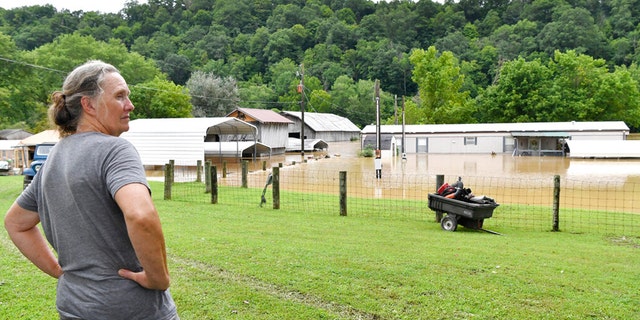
{"type": "Point", "coordinates": [343, 156]}
{"type": "Point", "coordinates": [600, 184]}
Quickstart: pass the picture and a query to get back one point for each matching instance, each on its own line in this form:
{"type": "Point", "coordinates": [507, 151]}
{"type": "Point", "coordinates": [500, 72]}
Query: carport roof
{"type": "Point", "coordinates": [218, 125]}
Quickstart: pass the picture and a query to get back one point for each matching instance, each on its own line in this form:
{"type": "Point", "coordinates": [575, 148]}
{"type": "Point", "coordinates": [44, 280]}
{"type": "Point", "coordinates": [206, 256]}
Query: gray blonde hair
{"type": "Point", "coordinates": [84, 81]}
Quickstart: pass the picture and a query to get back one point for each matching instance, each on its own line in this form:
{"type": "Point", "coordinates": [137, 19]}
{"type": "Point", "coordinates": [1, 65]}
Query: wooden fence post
{"type": "Point", "coordinates": [343, 193]}
{"type": "Point", "coordinates": [245, 174]}
{"type": "Point", "coordinates": [207, 177]}
{"type": "Point", "coordinates": [275, 187]}
{"type": "Point", "coordinates": [214, 185]}
{"type": "Point", "coordinates": [173, 170]}
{"type": "Point", "coordinates": [199, 171]}
{"type": "Point", "coordinates": [556, 203]}
{"type": "Point", "coordinates": [224, 169]}
{"type": "Point", "coordinates": [439, 183]}
{"type": "Point", "coordinates": [167, 181]}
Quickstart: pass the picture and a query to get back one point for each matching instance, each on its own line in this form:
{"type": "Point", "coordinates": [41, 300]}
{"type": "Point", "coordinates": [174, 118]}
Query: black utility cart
{"type": "Point", "coordinates": [469, 214]}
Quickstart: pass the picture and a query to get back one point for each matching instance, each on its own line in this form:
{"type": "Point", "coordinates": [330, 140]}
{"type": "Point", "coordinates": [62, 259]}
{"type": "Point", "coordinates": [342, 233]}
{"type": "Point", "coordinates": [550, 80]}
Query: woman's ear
{"type": "Point", "coordinates": [87, 105]}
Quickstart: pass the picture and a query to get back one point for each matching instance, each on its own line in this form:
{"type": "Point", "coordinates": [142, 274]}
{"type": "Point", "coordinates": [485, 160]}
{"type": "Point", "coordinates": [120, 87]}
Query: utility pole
{"type": "Point", "coordinates": [377, 97]}
{"type": "Point", "coordinates": [395, 109]}
{"type": "Point", "coordinates": [377, 162]}
{"type": "Point", "coordinates": [301, 90]}
{"type": "Point", "coordinates": [404, 150]}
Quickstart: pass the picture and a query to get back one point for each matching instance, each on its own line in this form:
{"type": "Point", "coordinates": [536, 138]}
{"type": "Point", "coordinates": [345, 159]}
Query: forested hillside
{"type": "Point", "coordinates": [456, 62]}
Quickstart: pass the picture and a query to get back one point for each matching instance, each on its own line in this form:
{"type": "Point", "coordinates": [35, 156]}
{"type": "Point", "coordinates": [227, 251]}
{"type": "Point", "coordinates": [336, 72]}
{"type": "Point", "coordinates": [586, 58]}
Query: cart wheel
{"type": "Point", "coordinates": [449, 223]}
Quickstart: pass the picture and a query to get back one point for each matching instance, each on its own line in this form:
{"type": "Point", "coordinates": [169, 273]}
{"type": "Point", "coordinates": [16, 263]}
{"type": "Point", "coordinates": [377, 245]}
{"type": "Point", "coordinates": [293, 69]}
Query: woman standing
{"type": "Point", "coordinates": [95, 206]}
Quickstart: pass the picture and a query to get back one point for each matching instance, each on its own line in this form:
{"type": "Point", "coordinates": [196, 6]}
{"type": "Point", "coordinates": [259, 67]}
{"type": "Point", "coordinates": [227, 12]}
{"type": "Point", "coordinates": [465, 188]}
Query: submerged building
{"type": "Point", "coordinates": [520, 139]}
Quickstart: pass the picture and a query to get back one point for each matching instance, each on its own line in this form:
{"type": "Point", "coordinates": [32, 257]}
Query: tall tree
{"type": "Point", "coordinates": [160, 98]}
{"type": "Point", "coordinates": [212, 96]}
{"type": "Point", "coordinates": [439, 82]}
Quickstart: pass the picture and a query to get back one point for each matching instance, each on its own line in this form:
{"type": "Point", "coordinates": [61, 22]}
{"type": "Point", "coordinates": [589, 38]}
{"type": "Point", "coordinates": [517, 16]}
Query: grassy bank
{"type": "Point", "coordinates": [234, 262]}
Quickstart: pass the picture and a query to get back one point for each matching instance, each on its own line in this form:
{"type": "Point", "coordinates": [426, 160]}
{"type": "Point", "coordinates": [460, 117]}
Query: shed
{"type": "Point", "coordinates": [326, 126]}
{"type": "Point", "coordinates": [183, 139]}
{"type": "Point", "coordinates": [237, 149]}
{"type": "Point", "coordinates": [272, 127]}
{"type": "Point", "coordinates": [24, 154]}
{"type": "Point", "coordinates": [529, 138]}
{"type": "Point", "coordinates": [309, 145]}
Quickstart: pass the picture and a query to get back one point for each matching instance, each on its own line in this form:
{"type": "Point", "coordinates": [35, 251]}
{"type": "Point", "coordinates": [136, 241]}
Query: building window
{"type": "Point", "coordinates": [422, 145]}
{"type": "Point", "coordinates": [470, 141]}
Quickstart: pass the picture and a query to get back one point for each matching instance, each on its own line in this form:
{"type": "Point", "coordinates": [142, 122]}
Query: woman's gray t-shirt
{"type": "Point", "coordinates": [73, 194]}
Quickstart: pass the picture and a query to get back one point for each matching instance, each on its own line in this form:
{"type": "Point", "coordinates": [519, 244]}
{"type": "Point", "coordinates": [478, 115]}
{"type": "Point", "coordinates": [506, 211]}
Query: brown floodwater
{"type": "Point", "coordinates": [343, 156]}
{"type": "Point", "coordinates": [606, 184]}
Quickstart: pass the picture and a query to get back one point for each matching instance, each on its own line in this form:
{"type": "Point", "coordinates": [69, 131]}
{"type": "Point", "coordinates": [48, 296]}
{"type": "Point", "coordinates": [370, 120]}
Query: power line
{"type": "Point", "coordinates": [31, 65]}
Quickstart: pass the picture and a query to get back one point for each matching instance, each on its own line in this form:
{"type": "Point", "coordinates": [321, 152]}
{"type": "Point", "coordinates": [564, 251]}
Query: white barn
{"type": "Point", "coordinates": [183, 139]}
{"type": "Point", "coordinates": [530, 138]}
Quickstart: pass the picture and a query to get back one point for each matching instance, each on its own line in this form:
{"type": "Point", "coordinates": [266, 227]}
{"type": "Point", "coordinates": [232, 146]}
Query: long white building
{"type": "Point", "coordinates": [531, 138]}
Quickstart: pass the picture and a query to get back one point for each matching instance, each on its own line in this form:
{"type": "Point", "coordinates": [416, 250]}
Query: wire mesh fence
{"type": "Point", "coordinates": [609, 207]}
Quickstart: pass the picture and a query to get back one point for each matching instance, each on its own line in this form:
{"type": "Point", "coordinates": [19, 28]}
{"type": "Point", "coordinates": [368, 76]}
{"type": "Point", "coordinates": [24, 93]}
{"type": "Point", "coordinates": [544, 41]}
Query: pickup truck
{"type": "Point", "coordinates": [40, 155]}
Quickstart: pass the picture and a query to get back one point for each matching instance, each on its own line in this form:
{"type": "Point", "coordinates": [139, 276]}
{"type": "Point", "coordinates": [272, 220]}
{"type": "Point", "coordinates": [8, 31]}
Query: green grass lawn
{"type": "Point", "coordinates": [231, 261]}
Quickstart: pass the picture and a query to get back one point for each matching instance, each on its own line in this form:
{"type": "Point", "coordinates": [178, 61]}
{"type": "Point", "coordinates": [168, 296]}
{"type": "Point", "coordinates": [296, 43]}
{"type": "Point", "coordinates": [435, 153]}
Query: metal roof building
{"type": "Point", "coordinates": [183, 139]}
{"type": "Point", "coordinates": [530, 138]}
{"type": "Point", "coordinates": [272, 127]}
{"type": "Point", "coordinates": [325, 126]}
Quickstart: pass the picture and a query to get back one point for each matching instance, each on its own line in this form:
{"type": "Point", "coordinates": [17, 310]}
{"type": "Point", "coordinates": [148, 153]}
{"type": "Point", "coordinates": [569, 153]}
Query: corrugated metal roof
{"type": "Point", "coordinates": [179, 139]}
{"type": "Point", "coordinates": [218, 125]}
{"type": "Point", "coordinates": [503, 127]}
{"type": "Point", "coordinates": [324, 121]}
{"type": "Point", "coordinates": [260, 115]}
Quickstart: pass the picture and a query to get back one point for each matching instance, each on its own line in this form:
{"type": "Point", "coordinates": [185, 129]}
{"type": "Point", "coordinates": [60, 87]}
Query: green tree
{"type": "Point", "coordinates": [439, 82]}
{"type": "Point", "coordinates": [177, 67]}
{"type": "Point", "coordinates": [320, 101]}
{"type": "Point", "coordinates": [573, 29]}
{"type": "Point", "coordinates": [519, 94]}
{"type": "Point", "coordinates": [255, 94]}
{"type": "Point", "coordinates": [211, 95]}
{"type": "Point", "coordinates": [160, 98]}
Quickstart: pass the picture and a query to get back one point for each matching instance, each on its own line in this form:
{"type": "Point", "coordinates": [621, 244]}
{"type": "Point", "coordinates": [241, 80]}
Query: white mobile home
{"type": "Point", "coordinates": [183, 139]}
{"type": "Point", "coordinates": [531, 138]}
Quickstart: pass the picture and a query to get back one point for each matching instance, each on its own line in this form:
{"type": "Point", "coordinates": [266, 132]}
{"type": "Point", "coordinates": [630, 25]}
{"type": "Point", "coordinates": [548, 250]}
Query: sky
{"type": "Point", "coordinates": [103, 6]}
